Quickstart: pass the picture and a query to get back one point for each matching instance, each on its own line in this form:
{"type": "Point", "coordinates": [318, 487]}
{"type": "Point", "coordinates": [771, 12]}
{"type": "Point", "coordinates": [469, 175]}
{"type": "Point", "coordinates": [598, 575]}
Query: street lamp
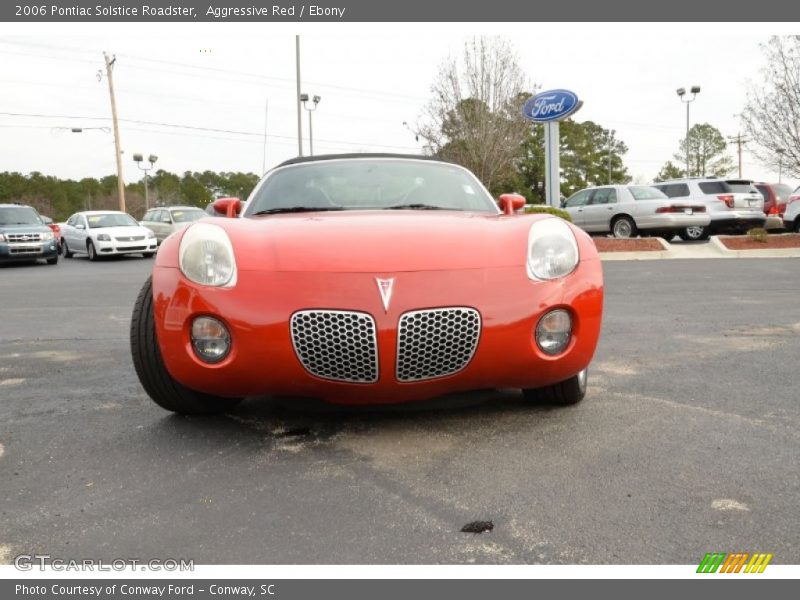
{"type": "Point", "coordinates": [315, 100]}
{"type": "Point", "coordinates": [137, 158]}
{"type": "Point", "coordinates": [695, 89]}
{"type": "Point", "coordinates": [780, 152]}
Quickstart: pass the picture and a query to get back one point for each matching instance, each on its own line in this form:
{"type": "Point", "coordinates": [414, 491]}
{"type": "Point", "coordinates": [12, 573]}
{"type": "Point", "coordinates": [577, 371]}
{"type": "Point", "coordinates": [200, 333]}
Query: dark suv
{"type": "Point", "coordinates": [24, 236]}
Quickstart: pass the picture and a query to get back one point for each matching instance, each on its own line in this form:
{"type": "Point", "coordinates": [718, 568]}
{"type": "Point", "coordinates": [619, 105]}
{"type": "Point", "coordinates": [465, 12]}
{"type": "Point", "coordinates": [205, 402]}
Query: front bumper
{"type": "Point", "coordinates": [118, 247]}
{"type": "Point", "coordinates": [28, 251]}
{"type": "Point", "coordinates": [262, 359]}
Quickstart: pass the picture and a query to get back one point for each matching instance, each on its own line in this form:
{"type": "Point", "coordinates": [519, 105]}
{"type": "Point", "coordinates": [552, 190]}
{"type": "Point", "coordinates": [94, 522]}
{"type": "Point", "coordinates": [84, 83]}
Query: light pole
{"type": "Point", "coordinates": [152, 160]}
{"type": "Point", "coordinates": [315, 100]}
{"type": "Point", "coordinates": [695, 89]}
{"type": "Point", "coordinates": [780, 152]}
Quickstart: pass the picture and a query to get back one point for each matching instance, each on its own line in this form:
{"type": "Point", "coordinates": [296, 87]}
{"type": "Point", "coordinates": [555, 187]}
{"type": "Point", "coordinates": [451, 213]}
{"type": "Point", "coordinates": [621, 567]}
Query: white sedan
{"type": "Point", "coordinates": [104, 233]}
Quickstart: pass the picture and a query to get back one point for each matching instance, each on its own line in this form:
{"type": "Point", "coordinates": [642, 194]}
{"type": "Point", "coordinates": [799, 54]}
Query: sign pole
{"type": "Point", "coordinates": [552, 166]}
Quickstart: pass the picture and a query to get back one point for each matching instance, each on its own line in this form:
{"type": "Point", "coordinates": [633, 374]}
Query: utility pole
{"type": "Point", "coordinates": [299, 109]}
{"type": "Point", "coordinates": [739, 141]}
{"type": "Point", "coordinates": [109, 75]}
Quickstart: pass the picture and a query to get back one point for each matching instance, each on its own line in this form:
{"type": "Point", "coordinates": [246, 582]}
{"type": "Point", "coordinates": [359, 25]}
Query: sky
{"type": "Point", "coordinates": [175, 82]}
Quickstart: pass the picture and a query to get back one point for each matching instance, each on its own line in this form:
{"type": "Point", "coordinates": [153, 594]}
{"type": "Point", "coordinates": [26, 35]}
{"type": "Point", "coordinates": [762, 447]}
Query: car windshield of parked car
{"type": "Point", "coordinates": [19, 215]}
{"type": "Point", "coordinates": [640, 192]}
{"type": "Point", "coordinates": [371, 184]}
{"type": "Point", "coordinates": [782, 191]}
{"type": "Point", "coordinates": [715, 187]}
{"type": "Point", "coordinates": [187, 216]}
{"type": "Point", "coordinates": [741, 187]}
{"type": "Point", "coordinates": [110, 220]}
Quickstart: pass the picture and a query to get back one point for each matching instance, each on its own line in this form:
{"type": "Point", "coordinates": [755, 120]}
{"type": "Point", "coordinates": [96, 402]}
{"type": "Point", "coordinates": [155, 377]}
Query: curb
{"type": "Point", "coordinates": [714, 249]}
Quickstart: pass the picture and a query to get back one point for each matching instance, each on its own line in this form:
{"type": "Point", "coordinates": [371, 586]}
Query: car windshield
{"type": "Point", "coordinates": [187, 216]}
{"type": "Point", "coordinates": [640, 192]}
{"type": "Point", "coordinates": [19, 215]}
{"type": "Point", "coordinates": [743, 187]}
{"type": "Point", "coordinates": [110, 220]}
{"type": "Point", "coordinates": [715, 187]}
{"type": "Point", "coordinates": [782, 191]}
{"type": "Point", "coordinates": [371, 184]}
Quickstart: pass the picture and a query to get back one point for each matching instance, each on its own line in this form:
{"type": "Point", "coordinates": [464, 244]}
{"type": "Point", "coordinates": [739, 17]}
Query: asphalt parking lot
{"type": "Point", "coordinates": [688, 441]}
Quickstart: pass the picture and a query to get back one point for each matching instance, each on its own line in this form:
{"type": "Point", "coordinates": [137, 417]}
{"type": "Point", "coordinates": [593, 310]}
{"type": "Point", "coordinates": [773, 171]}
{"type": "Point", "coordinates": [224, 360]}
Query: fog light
{"type": "Point", "coordinates": [554, 331]}
{"type": "Point", "coordinates": [210, 339]}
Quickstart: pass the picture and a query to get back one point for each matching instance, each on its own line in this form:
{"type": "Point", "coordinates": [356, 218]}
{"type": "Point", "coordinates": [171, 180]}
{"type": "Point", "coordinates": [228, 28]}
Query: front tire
{"type": "Point", "coordinates": [65, 249]}
{"type": "Point", "coordinates": [52, 261]}
{"type": "Point", "coordinates": [564, 393]}
{"type": "Point", "coordinates": [90, 251]}
{"type": "Point", "coordinates": [796, 227]}
{"type": "Point", "coordinates": [153, 375]}
{"type": "Point", "coordinates": [694, 233]}
{"type": "Point", "coordinates": [623, 227]}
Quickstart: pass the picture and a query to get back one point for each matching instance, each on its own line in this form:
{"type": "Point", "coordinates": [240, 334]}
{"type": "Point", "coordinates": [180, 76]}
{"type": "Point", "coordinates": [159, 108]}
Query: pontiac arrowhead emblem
{"type": "Point", "coordinates": [385, 288]}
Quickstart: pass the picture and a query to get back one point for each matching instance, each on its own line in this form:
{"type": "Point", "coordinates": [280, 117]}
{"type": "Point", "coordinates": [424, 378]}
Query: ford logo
{"type": "Point", "coordinates": [552, 105]}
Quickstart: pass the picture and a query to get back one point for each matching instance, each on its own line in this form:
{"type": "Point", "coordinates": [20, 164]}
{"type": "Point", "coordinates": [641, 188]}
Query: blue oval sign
{"type": "Point", "coordinates": [552, 105]}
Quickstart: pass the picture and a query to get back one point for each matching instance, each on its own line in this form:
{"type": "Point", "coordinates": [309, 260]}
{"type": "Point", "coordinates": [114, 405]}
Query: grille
{"type": "Point", "coordinates": [438, 342]}
{"type": "Point", "coordinates": [24, 250]}
{"type": "Point", "coordinates": [23, 238]}
{"type": "Point", "coordinates": [130, 238]}
{"type": "Point", "coordinates": [336, 345]}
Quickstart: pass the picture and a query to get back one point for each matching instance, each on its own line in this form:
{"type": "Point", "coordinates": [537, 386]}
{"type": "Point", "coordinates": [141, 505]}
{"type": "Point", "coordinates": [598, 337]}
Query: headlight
{"type": "Point", "coordinates": [47, 236]}
{"type": "Point", "coordinates": [206, 256]}
{"type": "Point", "coordinates": [103, 237]}
{"type": "Point", "coordinates": [2, 238]}
{"type": "Point", "coordinates": [150, 234]}
{"type": "Point", "coordinates": [552, 249]}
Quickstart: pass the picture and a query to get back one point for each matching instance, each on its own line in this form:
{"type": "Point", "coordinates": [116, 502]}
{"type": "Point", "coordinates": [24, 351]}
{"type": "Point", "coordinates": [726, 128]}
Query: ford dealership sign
{"type": "Point", "coordinates": [552, 105]}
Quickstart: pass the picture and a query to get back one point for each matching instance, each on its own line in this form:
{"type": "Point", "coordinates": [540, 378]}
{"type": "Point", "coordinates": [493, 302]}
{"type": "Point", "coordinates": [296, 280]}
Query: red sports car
{"type": "Point", "coordinates": [368, 279]}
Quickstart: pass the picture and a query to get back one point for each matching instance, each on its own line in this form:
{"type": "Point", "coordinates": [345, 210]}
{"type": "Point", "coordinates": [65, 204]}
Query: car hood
{"type": "Point", "coordinates": [25, 228]}
{"type": "Point", "coordinates": [379, 241]}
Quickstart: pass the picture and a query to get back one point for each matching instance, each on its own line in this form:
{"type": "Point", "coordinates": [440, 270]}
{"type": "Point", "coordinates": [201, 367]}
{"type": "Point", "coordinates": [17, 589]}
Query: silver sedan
{"type": "Point", "coordinates": [627, 210]}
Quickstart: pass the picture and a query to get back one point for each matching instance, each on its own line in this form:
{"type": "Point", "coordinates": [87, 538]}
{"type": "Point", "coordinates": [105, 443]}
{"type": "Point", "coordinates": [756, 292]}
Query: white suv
{"type": "Point", "coordinates": [730, 211]}
{"type": "Point", "coordinates": [791, 216]}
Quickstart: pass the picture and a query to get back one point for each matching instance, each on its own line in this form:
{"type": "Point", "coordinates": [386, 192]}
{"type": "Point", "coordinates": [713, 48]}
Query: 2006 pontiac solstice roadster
{"type": "Point", "coordinates": [368, 279]}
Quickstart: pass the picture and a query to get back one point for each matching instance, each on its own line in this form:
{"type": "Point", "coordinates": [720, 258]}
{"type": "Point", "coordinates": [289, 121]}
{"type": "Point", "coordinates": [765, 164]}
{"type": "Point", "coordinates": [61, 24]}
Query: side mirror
{"type": "Point", "coordinates": [510, 203]}
{"type": "Point", "coordinates": [230, 207]}
{"type": "Point", "coordinates": [80, 226]}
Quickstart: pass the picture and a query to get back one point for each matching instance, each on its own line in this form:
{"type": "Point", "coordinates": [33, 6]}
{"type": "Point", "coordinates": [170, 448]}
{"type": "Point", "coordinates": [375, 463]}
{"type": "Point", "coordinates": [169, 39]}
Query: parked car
{"type": "Point", "coordinates": [368, 279]}
{"type": "Point", "coordinates": [626, 210]}
{"type": "Point", "coordinates": [24, 236]}
{"type": "Point", "coordinates": [791, 217]}
{"type": "Point", "coordinates": [104, 233]}
{"type": "Point", "coordinates": [729, 211]}
{"type": "Point", "coordinates": [55, 228]}
{"type": "Point", "coordinates": [166, 220]}
{"type": "Point", "coordinates": [776, 196]}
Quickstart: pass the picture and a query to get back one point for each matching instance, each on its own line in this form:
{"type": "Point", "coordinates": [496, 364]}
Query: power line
{"type": "Point", "coordinates": [258, 134]}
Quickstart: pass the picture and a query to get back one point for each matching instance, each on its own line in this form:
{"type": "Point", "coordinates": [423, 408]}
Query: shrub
{"type": "Point", "coordinates": [757, 234]}
{"type": "Point", "coordinates": [550, 210]}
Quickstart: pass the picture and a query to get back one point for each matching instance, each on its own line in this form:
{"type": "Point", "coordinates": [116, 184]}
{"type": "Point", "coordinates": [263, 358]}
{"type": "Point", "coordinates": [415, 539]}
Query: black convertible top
{"type": "Point", "coordinates": [320, 157]}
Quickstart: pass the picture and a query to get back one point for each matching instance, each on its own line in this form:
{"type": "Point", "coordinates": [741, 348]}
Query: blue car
{"type": "Point", "coordinates": [24, 235]}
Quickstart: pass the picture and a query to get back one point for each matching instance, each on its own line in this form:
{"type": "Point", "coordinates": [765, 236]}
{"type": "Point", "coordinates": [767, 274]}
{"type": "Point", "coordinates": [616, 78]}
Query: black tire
{"type": "Point", "coordinates": [623, 227]}
{"type": "Point", "coordinates": [53, 261]}
{"type": "Point", "coordinates": [153, 375]}
{"type": "Point", "coordinates": [148, 254]}
{"type": "Point", "coordinates": [563, 393]}
{"type": "Point", "coordinates": [693, 234]}
{"type": "Point", "coordinates": [667, 237]}
{"type": "Point", "coordinates": [65, 249]}
{"type": "Point", "coordinates": [90, 251]}
{"type": "Point", "coordinates": [796, 227]}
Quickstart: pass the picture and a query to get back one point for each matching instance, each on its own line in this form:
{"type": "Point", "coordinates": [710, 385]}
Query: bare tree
{"type": "Point", "coordinates": [772, 114]}
{"type": "Point", "coordinates": [475, 116]}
